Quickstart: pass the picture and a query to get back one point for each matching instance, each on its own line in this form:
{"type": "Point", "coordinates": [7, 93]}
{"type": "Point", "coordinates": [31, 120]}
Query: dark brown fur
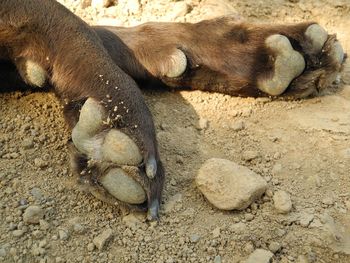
{"type": "Point", "coordinates": [78, 67]}
{"type": "Point", "coordinates": [224, 55]}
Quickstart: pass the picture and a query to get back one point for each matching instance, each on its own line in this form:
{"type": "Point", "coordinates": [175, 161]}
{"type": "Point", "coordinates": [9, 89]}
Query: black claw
{"type": "Point", "coordinates": [153, 211]}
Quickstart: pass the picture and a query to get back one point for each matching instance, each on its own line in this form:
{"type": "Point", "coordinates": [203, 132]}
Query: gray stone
{"type": "Point", "coordinates": [217, 259]}
{"type": "Point", "coordinates": [28, 143]}
{"type": "Point", "coordinates": [238, 228]}
{"type": "Point", "coordinates": [102, 239]}
{"type": "Point", "coordinates": [238, 125]}
{"type": "Point", "coordinates": [216, 232]}
{"type": "Point", "coordinates": [90, 247]}
{"type": "Point", "coordinates": [78, 228]}
{"type": "Point", "coordinates": [282, 202]}
{"type": "Point", "coordinates": [18, 233]}
{"type": "Point", "coordinates": [33, 214]}
{"type": "Point", "coordinates": [36, 192]}
{"type": "Point", "coordinates": [260, 256]}
{"type": "Point", "coordinates": [63, 234]}
{"type": "Point", "coordinates": [38, 162]}
{"type": "Point", "coordinates": [250, 155]}
{"type": "Point", "coordinates": [203, 124]}
{"type": "Point", "coordinates": [274, 246]}
{"type": "Point", "coordinates": [305, 219]}
{"type": "Point", "coordinates": [194, 238]}
{"type": "Point", "coordinates": [3, 252]}
{"type": "Point", "coordinates": [228, 185]}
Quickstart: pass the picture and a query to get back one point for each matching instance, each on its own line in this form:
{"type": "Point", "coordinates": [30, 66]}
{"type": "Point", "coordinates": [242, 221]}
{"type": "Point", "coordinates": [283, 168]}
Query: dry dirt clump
{"type": "Point", "coordinates": [301, 148]}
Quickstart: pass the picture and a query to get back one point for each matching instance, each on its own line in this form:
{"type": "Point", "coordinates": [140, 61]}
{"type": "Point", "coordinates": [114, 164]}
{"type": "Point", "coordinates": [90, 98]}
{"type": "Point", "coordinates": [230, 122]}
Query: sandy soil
{"type": "Point", "coordinates": [302, 147]}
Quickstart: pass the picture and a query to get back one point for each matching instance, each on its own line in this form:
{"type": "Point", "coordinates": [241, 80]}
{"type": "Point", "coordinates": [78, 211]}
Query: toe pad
{"type": "Point", "coordinates": [288, 65]}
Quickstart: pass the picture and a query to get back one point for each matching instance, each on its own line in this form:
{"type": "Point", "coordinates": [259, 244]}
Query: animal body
{"type": "Point", "coordinates": [96, 72]}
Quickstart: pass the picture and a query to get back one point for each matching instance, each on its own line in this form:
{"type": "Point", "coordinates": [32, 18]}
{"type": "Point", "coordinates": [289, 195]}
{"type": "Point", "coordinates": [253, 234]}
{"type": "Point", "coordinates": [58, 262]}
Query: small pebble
{"type": "Point", "coordinates": [33, 214]}
{"type": "Point", "coordinates": [238, 126]}
{"type": "Point", "coordinates": [18, 233]}
{"type": "Point", "coordinates": [78, 228]}
{"type": "Point", "coordinates": [249, 217]}
{"type": "Point", "coordinates": [250, 155]}
{"type": "Point", "coordinates": [28, 143]}
{"type": "Point", "coordinates": [63, 234]}
{"type": "Point", "coordinates": [102, 239]}
{"type": "Point", "coordinates": [90, 247]}
{"type": "Point", "coordinates": [260, 256]}
{"type": "Point", "coordinates": [274, 246]}
{"type": "Point", "coordinates": [194, 238]}
{"type": "Point", "coordinates": [216, 232]}
{"type": "Point", "coordinates": [282, 202]}
{"type": "Point", "coordinates": [38, 162]}
{"type": "Point", "coordinates": [217, 259]}
{"type": "Point", "coordinates": [328, 201]}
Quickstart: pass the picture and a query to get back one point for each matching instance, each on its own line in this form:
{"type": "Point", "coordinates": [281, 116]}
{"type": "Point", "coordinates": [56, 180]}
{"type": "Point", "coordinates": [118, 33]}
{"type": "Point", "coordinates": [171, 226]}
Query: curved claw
{"type": "Point", "coordinates": [151, 167]}
{"type": "Point", "coordinates": [153, 211]}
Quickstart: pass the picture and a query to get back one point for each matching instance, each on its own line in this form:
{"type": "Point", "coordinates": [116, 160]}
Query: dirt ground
{"type": "Point", "coordinates": [302, 147]}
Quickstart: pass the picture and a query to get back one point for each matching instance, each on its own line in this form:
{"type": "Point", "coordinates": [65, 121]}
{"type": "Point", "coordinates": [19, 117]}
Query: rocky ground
{"type": "Point", "coordinates": [300, 148]}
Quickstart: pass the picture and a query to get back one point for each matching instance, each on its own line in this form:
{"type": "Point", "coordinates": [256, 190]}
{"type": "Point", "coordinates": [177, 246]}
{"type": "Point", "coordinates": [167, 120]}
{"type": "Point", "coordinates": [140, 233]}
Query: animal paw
{"type": "Point", "coordinates": [237, 58]}
{"type": "Point", "coordinates": [109, 163]}
{"type": "Point", "coordinates": [312, 63]}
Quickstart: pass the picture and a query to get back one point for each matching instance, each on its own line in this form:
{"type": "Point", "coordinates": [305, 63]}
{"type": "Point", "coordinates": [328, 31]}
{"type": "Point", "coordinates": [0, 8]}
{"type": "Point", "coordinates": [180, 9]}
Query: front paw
{"type": "Point", "coordinates": [304, 63]}
{"type": "Point", "coordinates": [110, 165]}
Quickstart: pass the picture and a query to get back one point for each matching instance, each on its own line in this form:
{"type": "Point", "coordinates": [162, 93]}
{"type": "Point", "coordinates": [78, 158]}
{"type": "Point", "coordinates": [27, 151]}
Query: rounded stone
{"type": "Point", "coordinates": [33, 214]}
{"type": "Point", "coordinates": [228, 185]}
{"type": "Point", "coordinates": [119, 184]}
{"type": "Point", "coordinates": [282, 202]}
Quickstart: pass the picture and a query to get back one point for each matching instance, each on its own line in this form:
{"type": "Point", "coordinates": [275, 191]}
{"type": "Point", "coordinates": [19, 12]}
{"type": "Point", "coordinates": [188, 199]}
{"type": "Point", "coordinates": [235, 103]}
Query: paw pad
{"type": "Point", "coordinates": [36, 75]}
{"type": "Point", "coordinates": [114, 152]}
{"type": "Point", "coordinates": [317, 36]}
{"type": "Point", "coordinates": [119, 184]}
{"type": "Point", "coordinates": [288, 65]}
{"type": "Point", "coordinates": [176, 64]}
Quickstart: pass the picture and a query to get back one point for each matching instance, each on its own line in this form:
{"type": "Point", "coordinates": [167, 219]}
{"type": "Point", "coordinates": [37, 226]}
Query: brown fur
{"type": "Point", "coordinates": [223, 56]}
{"type": "Point", "coordinates": [78, 67]}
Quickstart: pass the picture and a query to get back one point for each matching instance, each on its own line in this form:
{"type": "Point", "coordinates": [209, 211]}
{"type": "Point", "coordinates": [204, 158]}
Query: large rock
{"type": "Point", "coordinates": [228, 185]}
